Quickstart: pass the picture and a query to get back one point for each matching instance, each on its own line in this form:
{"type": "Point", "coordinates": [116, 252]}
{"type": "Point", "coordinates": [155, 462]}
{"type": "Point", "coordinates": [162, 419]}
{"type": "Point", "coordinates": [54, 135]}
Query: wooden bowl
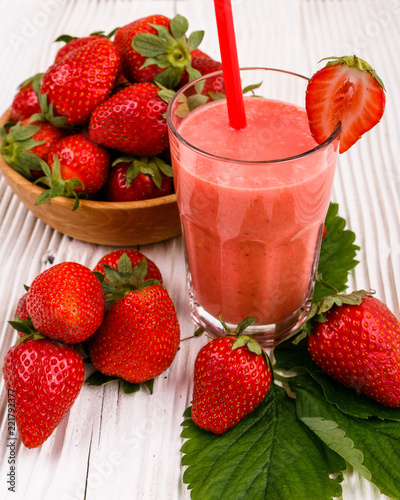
{"type": "Point", "coordinates": [119, 224]}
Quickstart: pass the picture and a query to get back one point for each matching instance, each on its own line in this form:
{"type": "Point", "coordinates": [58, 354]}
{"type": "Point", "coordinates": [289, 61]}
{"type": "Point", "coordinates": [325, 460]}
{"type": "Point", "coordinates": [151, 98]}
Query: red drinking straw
{"type": "Point", "coordinates": [230, 64]}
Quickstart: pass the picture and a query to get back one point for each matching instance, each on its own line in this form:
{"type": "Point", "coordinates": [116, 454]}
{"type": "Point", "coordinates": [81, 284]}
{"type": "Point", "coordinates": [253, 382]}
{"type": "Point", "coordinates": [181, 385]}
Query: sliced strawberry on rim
{"type": "Point", "coordinates": [346, 90]}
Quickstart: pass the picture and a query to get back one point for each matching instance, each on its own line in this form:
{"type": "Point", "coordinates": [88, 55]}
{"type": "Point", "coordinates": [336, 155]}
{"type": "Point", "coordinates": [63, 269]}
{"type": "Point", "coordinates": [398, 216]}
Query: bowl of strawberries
{"type": "Point", "coordinates": [85, 145]}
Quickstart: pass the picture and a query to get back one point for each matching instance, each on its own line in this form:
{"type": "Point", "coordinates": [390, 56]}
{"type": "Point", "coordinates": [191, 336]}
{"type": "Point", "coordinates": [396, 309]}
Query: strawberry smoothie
{"type": "Point", "coordinates": [252, 224]}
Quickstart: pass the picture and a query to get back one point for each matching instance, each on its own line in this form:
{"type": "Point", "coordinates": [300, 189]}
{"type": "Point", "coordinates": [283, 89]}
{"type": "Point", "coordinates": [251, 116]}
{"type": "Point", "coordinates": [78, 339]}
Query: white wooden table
{"type": "Point", "coordinates": [116, 446]}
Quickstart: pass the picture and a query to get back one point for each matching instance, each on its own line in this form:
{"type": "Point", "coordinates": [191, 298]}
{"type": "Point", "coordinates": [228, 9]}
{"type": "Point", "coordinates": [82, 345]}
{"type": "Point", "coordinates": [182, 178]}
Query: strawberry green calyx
{"type": "Point", "coordinates": [355, 62]}
{"type": "Point", "coordinates": [319, 310]}
{"type": "Point", "coordinates": [35, 80]}
{"type": "Point", "coordinates": [243, 340]}
{"type": "Point", "coordinates": [152, 166]}
{"type": "Point", "coordinates": [171, 52]}
{"type": "Point", "coordinates": [69, 38]}
{"type": "Point", "coordinates": [16, 145]}
{"type": "Point", "coordinates": [26, 328]}
{"type": "Point", "coordinates": [124, 280]}
{"type": "Point", "coordinates": [47, 113]}
{"type": "Point", "coordinates": [57, 186]}
{"type": "Point", "coordinates": [98, 379]}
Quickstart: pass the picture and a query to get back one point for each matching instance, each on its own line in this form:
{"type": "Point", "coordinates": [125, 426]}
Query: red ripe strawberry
{"type": "Point", "coordinates": [25, 102]}
{"type": "Point", "coordinates": [81, 80]}
{"type": "Point", "coordinates": [66, 302]}
{"type": "Point", "coordinates": [47, 133]}
{"type": "Point", "coordinates": [73, 43]}
{"type": "Point", "coordinates": [156, 48]}
{"type": "Point", "coordinates": [358, 345]}
{"type": "Point", "coordinates": [206, 65]}
{"type": "Point", "coordinates": [134, 178]}
{"type": "Point", "coordinates": [139, 336]}
{"type": "Point", "coordinates": [80, 157]}
{"type": "Point", "coordinates": [230, 381]}
{"type": "Point", "coordinates": [346, 91]}
{"type": "Point", "coordinates": [76, 166]}
{"type": "Point", "coordinates": [130, 59]}
{"type": "Point", "coordinates": [121, 186]}
{"type": "Point", "coordinates": [199, 53]}
{"type": "Point", "coordinates": [166, 187]}
{"type": "Point", "coordinates": [132, 121]}
{"type": "Point", "coordinates": [26, 142]}
{"type": "Point", "coordinates": [112, 259]}
{"type": "Point", "coordinates": [44, 379]}
{"type": "Point", "coordinates": [21, 312]}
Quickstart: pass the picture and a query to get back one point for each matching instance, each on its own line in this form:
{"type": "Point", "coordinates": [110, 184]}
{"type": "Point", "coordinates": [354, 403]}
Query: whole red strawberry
{"type": "Point", "coordinates": [81, 80]}
{"type": "Point", "coordinates": [26, 142]}
{"type": "Point", "coordinates": [231, 378]}
{"type": "Point", "coordinates": [156, 48]}
{"type": "Point", "coordinates": [346, 91]}
{"type": "Point", "coordinates": [66, 302]}
{"type": "Point", "coordinates": [132, 121]}
{"type": "Point", "coordinates": [139, 178]}
{"type": "Point", "coordinates": [358, 345]}
{"type": "Point", "coordinates": [139, 336]}
{"type": "Point", "coordinates": [121, 186]}
{"type": "Point", "coordinates": [75, 166]}
{"type": "Point", "coordinates": [25, 102]}
{"type": "Point", "coordinates": [131, 60]}
{"type": "Point", "coordinates": [81, 158]}
{"type": "Point", "coordinates": [44, 379]}
{"type": "Point", "coordinates": [113, 259]}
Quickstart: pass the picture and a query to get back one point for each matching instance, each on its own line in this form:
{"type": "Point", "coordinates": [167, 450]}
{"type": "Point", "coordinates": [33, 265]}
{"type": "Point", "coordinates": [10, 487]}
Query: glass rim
{"type": "Point", "coordinates": [175, 132]}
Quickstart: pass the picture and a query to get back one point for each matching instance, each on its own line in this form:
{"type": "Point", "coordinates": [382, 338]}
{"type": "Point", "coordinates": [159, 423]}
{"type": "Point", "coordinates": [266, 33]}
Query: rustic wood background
{"type": "Point", "coordinates": [127, 447]}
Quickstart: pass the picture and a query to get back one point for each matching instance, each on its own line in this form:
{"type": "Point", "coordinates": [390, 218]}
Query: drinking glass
{"type": "Point", "coordinates": [251, 226]}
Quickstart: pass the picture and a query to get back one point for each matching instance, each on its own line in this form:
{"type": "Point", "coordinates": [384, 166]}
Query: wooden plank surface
{"type": "Point", "coordinates": [116, 446]}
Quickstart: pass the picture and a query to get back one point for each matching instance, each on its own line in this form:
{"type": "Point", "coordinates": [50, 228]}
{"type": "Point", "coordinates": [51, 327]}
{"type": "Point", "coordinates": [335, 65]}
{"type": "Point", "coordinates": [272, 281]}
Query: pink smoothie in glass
{"type": "Point", "coordinates": [251, 228]}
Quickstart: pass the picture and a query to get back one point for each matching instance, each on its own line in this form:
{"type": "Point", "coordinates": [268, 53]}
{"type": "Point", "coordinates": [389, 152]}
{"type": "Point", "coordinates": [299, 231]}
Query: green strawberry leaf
{"type": "Point", "coordinates": [370, 445]}
{"type": "Point", "coordinates": [337, 257]}
{"type": "Point", "coordinates": [327, 430]}
{"type": "Point", "coordinates": [98, 379]}
{"type": "Point", "coordinates": [269, 454]}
